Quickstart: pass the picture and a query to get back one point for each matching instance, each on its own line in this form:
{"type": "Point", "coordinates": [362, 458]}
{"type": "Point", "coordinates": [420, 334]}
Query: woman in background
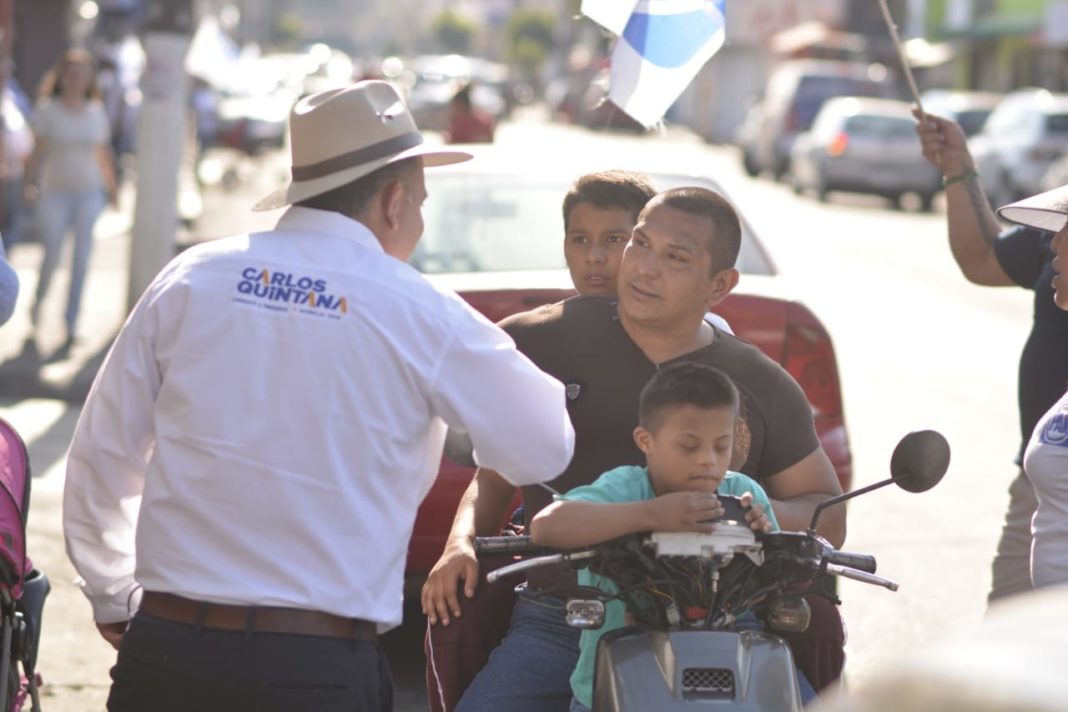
{"type": "Point", "coordinates": [69, 172]}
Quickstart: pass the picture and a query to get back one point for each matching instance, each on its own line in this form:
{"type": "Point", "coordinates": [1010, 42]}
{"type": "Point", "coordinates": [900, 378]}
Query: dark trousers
{"type": "Point", "coordinates": [164, 666]}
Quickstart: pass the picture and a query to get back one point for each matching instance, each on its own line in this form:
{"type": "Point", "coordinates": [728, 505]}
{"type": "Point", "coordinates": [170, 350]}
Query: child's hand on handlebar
{"type": "Point", "coordinates": [755, 516]}
{"type": "Point", "coordinates": [685, 512]}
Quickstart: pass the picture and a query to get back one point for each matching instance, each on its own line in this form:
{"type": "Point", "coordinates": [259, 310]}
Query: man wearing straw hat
{"type": "Point", "coordinates": [268, 421]}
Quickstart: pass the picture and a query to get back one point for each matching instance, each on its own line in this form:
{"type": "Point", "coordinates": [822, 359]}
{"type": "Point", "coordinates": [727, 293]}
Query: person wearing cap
{"type": "Point", "coordinates": [1046, 457]}
{"type": "Point", "coordinates": [990, 256]}
{"type": "Point", "coordinates": [267, 423]}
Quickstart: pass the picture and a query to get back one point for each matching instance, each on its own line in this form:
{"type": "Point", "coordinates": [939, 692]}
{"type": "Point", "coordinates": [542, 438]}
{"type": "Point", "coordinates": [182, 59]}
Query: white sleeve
{"type": "Point", "coordinates": [514, 413]}
{"type": "Point", "coordinates": [719, 322]}
{"type": "Point", "coordinates": [106, 465]}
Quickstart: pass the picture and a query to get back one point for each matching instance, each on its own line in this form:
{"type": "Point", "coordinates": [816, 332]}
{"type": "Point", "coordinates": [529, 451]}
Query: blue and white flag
{"type": "Point", "coordinates": [663, 46]}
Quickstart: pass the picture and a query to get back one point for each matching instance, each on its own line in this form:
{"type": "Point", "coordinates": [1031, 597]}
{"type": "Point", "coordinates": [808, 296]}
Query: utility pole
{"type": "Point", "coordinates": [160, 140]}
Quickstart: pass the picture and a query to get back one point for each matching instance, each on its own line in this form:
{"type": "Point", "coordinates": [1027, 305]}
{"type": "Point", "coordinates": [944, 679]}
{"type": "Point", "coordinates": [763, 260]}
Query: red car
{"type": "Point", "coordinates": [494, 234]}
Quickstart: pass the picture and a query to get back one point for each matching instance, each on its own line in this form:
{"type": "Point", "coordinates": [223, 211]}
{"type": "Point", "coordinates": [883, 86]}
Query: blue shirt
{"type": "Point", "coordinates": [631, 484]}
{"type": "Point", "coordinates": [9, 287]}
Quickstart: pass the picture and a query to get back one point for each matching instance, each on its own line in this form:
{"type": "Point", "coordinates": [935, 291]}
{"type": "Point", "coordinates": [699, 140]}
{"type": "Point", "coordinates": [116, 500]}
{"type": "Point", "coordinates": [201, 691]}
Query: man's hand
{"type": "Point", "coordinates": [944, 145]}
{"type": "Point", "coordinates": [113, 632]}
{"type": "Point", "coordinates": [439, 596]}
{"type": "Point", "coordinates": [756, 516]}
{"type": "Point", "coordinates": [685, 512]}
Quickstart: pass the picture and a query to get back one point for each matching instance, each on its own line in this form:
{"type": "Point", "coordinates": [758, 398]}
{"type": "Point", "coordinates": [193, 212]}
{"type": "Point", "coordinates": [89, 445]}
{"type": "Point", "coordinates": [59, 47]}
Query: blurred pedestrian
{"type": "Point", "coordinates": [1046, 457]}
{"type": "Point", "coordinates": [16, 147]}
{"type": "Point", "coordinates": [277, 404]}
{"type": "Point", "coordinates": [468, 123]}
{"type": "Point", "coordinates": [990, 256]}
{"type": "Point", "coordinates": [69, 174]}
{"type": "Point", "coordinates": [204, 99]}
{"type": "Point", "coordinates": [9, 287]}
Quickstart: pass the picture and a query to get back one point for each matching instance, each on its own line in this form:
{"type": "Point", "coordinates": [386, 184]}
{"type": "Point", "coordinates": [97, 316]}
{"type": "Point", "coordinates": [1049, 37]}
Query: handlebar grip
{"type": "Point", "coordinates": [506, 545]}
{"type": "Point", "coordinates": [861, 562]}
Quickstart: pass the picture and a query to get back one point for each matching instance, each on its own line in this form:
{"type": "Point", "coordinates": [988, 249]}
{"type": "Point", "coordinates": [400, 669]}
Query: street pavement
{"type": "Point", "coordinates": [41, 392]}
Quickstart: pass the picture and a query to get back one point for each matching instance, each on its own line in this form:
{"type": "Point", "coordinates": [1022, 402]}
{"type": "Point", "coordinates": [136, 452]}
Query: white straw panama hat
{"type": "Point", "coordinates": [339, 135]}
{"type": "Point", "coordinates": [1045, 211]}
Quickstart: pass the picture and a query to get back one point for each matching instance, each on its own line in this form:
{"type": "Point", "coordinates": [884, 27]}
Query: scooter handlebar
{"type": "Point", "coordinates": [860, 562]}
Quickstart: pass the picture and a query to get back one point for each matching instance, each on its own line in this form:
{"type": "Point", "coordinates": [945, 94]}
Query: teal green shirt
{"type": "Point", "coordinates": [631, 484]}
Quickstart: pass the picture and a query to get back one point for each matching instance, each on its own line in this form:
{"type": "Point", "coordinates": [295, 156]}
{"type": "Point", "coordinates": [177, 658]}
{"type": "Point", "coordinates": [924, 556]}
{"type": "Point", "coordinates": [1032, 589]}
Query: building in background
{"type": "Point", "coordinates": [1003, 44]}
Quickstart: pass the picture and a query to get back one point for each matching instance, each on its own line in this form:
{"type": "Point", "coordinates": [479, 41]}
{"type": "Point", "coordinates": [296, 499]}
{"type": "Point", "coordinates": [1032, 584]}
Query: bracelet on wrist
{"type": "Point", "coordinates": [970, 174]}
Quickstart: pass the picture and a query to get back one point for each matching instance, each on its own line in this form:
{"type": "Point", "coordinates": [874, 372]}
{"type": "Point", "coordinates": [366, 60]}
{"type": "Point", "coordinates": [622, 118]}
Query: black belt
{"type": "Point", "coordinates": [255, 619]}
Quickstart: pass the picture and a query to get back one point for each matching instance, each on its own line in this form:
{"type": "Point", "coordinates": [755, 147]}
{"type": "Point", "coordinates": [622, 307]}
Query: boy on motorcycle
{"type": "Point", "coordinates": [687, 415]}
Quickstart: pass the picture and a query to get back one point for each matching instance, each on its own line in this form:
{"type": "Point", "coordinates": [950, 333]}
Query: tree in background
{"type": "Point", "coordinates": [453, 32]}
{"type": "Point", "coordinates": [287, 31]}
{"type": "Point", "coordinates": [529, 37]}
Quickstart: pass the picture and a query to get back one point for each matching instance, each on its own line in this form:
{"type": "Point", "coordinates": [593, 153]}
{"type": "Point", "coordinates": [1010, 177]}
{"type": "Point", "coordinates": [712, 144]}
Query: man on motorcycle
{"type": "Point", "coordinates": [679, 261]}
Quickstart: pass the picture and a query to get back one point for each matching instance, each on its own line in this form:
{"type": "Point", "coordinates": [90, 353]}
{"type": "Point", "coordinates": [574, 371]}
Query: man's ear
{"type": "Point", "coordinates": [643, 439]}
{"type": "Point", "coordinates": [723, 282]}
{"type": "Point", "coordinates": [392, 199]}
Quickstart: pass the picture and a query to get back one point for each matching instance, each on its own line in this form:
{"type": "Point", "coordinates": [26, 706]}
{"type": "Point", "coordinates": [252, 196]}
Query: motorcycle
{"type": "Point", "coordinates": [692, 598]}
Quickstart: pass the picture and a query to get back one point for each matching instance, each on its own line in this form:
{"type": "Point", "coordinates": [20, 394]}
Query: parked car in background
{"type": "Point", "coordinates": [494, 234]}
{"type": "Point", "coordinates": [1056, 175]}
{"type": "Point", "coordinates": [1024, 135]}
{"type": "Point", "coordinates": [437, 79]}
{"type": "Point", "coordinates": [253, 106]}
{"type": "Point", "coordinates": [794, 95]}
{"type": "Point", "coordinates": [970, 109]}
{"type": "Point", "coordinates": [746, 138]}
{"type": "Point", "coordinates": [861, 145]}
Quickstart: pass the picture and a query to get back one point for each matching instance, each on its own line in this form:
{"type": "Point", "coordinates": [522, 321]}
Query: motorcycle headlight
{"type": "Point", "coordinates": [790, 613]}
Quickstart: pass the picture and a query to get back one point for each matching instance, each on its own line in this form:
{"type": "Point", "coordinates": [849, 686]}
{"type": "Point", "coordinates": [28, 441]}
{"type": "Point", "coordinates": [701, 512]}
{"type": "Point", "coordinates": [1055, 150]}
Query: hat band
{"type": "Point", "coordinates": [355, 158]}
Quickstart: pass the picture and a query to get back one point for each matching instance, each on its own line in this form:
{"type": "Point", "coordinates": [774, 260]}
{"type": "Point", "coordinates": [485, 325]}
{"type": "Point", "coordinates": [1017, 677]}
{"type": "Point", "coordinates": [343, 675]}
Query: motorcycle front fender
{"type": "Point", "coordinates": [644, 670]}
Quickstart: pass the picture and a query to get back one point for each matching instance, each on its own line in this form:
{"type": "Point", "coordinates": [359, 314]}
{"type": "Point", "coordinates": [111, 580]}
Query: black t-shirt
{"type": "Point", "coordinates": [581, 342]}
{"type": "Point", "coordinates": [1026, 256]}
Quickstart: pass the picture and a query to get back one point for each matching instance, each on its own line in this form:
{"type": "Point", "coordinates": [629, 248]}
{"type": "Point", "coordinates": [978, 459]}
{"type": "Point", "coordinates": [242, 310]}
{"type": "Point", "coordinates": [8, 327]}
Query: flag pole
{"type": "Point", "coordinates": [901, 53]}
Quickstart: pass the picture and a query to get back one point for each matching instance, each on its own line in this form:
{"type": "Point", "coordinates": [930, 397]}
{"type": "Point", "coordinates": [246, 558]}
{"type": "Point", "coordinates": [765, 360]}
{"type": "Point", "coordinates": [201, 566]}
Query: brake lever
{"type": "Point", "coordinates": [538, 561]}
{"type": "Point", "coordinates": [863, 576]}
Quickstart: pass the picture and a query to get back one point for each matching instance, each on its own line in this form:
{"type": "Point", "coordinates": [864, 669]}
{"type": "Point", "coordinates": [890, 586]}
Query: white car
{"type": "Point", "coordinates": [1022, 138]}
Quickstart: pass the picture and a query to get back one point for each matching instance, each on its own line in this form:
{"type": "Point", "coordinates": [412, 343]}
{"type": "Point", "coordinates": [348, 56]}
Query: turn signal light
{"type": "Point", "coordinates": [838, 145]}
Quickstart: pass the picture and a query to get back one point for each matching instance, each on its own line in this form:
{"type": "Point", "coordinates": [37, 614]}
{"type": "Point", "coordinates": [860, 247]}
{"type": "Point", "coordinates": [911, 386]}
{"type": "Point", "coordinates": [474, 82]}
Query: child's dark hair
{"type": "Point", "coordinates": [609, 189]}
{"type": "Point", "coordinates": [685, 384]}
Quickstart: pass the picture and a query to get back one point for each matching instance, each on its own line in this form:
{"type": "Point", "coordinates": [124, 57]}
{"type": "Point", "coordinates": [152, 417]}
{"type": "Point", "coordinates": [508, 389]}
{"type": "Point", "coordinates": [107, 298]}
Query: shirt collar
{"type": "Point", "coordinates": [327, 222]}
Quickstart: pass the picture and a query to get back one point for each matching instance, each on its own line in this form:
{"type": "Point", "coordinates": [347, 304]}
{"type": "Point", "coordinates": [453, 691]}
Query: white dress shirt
{"type": "Point", "coordinates": [271, 416]}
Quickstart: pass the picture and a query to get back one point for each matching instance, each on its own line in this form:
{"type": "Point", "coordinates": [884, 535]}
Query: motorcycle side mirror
{"type": "Point", "coordinates": [918, 463]}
